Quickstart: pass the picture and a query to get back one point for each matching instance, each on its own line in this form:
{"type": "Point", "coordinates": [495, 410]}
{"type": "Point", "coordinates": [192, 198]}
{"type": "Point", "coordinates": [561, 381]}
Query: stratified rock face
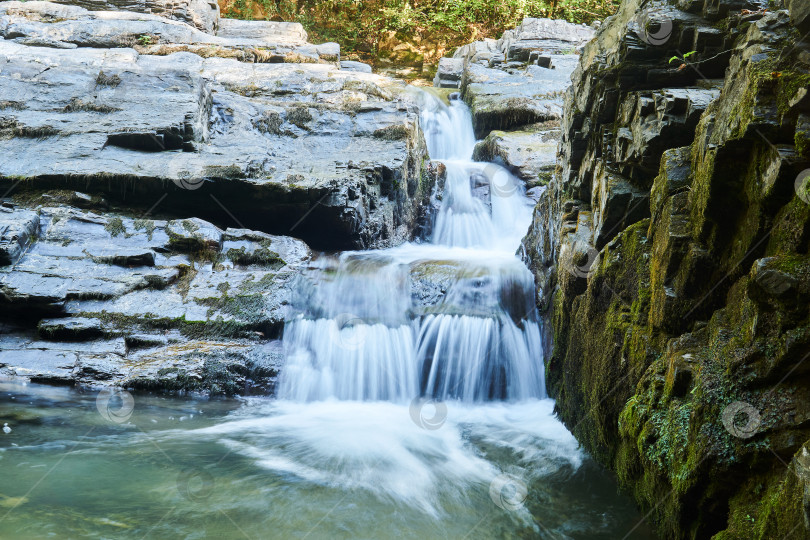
{"type": "Point", "coordinates": [102, 298]}
{"type": "Point", "coordinates": [203, 14]}
{"type": "Point", "coordinates": [514, 87]}
{"type": "Point", "coordinates": [519, 79]}
{"type": "Point", "coordinates": [110, 118]}
{"type": "Point", "coordinates": [671, 256]}
{"type": "Point", "coordinates": [251, 126]}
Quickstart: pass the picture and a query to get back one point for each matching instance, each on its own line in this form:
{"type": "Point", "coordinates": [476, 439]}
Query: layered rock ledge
{"type": "Point", "coordinates": [251, 125]}
{"type": "Point", "coordinates": [157, 162]}
{"type": "Point", "coordinates": [514, 87]}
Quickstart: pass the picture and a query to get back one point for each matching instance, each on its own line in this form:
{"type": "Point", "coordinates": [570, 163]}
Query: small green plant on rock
{"type": "Point", "coordinates": [682, 59]}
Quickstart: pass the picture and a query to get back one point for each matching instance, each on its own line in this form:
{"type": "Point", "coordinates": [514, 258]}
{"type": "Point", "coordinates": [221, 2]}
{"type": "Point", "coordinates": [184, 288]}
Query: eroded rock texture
{"type": "Point", "coordinates": [515, 87]}
{"type": "Point", "coordinates": [257, 120]}
{"type": "Point", "coordinates": [671, 255]}
{"type": "Point", "coordinates": [95, 297]}
{"type": "Point", "coordinates": [153, 154]}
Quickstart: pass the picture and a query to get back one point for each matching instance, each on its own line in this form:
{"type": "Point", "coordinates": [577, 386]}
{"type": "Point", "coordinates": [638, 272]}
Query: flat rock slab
{"type": "Point", "coordinates": [543, 35]}
{"type": "Point", "coordinates": [71, 328]}
{"type": "Point", "coordinates": [47, 24]}
{"type": "Point", "coordinates": [332, 155]}
{"type": "Point", "coordinates": [519, 79]}
{"type": "Point", "coordinates": [502, 100]}
{"type": "Point", "coordinates": [529, 155]}
{"type": "Point", "coordinates": [202, 14]}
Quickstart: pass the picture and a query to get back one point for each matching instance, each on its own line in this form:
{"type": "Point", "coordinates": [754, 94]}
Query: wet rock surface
{"type": "Point", "coordinates": [530, 154]}
{"type": "Point", "coordinates": [671, 261]}
{"type": "Point", "coordinates": [519, 79]}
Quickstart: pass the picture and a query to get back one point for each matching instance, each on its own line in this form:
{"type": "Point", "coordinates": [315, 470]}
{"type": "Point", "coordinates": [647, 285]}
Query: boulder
{"type": "Point", "coordinates": [351, 65]}
{"type": "Point", "coordinates": [18, 228]}
{"type": "Point", "coordinates": [193, 235]}
{"type": "Point", "coordinates": [530, 155]}
{"type": "Point", "coordinates": [502, 100]}
{"type": "Point", "coordinates": [449, 72]}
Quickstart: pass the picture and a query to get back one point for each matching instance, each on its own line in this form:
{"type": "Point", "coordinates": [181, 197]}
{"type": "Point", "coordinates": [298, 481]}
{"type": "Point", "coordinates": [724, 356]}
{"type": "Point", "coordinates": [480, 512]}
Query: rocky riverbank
{"type": "Point", "coordinates": [154, 154]}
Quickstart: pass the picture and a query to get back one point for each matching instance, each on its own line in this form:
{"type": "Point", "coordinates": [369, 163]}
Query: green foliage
{"type": "Point", "coordinates": [362, 25]}
{"type": "Point", "coordinates": [682, 58]}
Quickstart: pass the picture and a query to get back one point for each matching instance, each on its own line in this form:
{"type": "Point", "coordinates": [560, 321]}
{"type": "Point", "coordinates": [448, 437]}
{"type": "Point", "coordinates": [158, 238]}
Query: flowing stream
{"type": "Point", "coordinates": [412, 405]}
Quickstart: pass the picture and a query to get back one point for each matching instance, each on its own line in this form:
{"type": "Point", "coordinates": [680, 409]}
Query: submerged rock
{"type": "Point", "coordinates": [530, 155]}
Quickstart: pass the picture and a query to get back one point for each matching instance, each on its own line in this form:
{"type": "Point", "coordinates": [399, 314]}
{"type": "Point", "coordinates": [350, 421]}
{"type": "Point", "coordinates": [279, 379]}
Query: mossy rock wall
{"type": "Point", "coordinates": [681, 345]}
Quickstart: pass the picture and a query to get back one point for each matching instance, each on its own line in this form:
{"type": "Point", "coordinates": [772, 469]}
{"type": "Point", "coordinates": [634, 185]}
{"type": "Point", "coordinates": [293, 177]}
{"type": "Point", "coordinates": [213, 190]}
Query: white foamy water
{"type": "Point", "coordinates": [416, 373]}
{"type": "Point", "coordinates": [376, 447]}
{"type": "Point", "coordinates": [359, 334]}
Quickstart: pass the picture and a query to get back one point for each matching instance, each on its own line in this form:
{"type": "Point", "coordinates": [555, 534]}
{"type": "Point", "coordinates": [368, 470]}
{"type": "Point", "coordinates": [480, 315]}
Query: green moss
{"type": "Point", "coordinates": [262, 256]}
{"type": "Point", "coordinates": [250, 90]}
{"type": "Point", "coordinates": [299, 116]}
{"type": "Point", "coordinates": [107, 80]}
{"type": "Point", "coordinates": [802, 141]}
{"type": "Point", "coordinates": [790, 82]}
{"type": "Point", "coordinates": [228, 172]}
{"type": "Point", "coordinates": [16, 105]}
{"type": "Point", "coordinates": [77, 104]}
{"type": "Point", "coordinates": [184, 279]}
{"type": "Point", "coordinates": [392, 133]}
{"type": "Point", "coordinates": [146, 225]}
{"type": "Point", "coordinates": [270, 122]}
{"type": "Point", "coordinates": [11, 127]}
{"type": "Point", "coordinates": [189, 226]}
{"type": "Point", "coordinates": [115, 226]}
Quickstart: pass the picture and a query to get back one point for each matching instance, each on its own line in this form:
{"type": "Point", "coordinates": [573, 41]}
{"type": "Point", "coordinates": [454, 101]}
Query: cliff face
{"type": "Point", "coordinates": [671, 252]}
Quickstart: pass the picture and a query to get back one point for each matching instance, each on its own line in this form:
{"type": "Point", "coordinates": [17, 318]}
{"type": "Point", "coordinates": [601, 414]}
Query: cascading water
{"type": "Point", "coordinates": [359, 335]}
{"type": "Point", "coordinates": [411, 405]}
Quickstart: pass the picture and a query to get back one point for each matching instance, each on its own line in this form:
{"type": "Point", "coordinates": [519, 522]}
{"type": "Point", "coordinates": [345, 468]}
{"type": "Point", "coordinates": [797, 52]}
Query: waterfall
{"type": "Point", "coordinates": [359, 332]}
